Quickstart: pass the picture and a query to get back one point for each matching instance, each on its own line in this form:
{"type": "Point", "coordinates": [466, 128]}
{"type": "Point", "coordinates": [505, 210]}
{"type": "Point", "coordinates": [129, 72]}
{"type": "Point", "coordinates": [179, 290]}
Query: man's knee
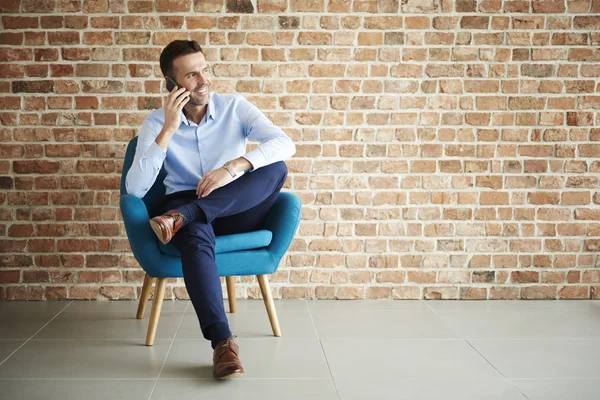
{"type": "Point", "coordinates": [278, 169]}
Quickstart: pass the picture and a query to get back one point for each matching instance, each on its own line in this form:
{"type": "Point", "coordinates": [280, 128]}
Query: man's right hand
{"type": "Point", "coordinates": [175, 102]}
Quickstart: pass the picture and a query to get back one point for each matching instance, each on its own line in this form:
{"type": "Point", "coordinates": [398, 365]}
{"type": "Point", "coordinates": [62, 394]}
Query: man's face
{"type": "Point", "coordinates": [192, 72]}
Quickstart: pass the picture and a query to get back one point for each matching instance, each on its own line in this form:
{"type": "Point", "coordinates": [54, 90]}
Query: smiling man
{"type": "Point", "coordinates": [213, 187]}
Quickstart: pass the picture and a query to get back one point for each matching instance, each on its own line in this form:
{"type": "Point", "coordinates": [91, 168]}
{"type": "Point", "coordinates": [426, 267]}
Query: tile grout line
{"type": "Point", "coordinates": [470, 345]}
{"type": "Point", "coordinates": [38, 331]}
{"type": "Point", "coordinates": [322, 350]}
{"type": "Point", "coordinates": [168, 351]}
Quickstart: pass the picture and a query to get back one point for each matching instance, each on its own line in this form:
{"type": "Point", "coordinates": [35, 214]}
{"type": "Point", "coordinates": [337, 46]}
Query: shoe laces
{"type": "Point", "coordinates": [177, 217]}
{"type": "Point", "coordinates": [228, 343]}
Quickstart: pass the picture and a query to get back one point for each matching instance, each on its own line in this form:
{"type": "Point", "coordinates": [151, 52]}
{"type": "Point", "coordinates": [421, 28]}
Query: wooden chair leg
{"type": "Point", "coordinates": [231, 292]}
{"type": "Point", "coordinates": [159, 295]}
{"type": "Point", "coordinates": [144, 296]}
{"type": "Point", "coordinates": [263, 281]}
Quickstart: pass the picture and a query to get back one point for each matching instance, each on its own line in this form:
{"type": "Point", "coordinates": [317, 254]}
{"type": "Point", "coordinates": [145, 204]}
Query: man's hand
{"type": "Point", "coordinates": [213, 180]}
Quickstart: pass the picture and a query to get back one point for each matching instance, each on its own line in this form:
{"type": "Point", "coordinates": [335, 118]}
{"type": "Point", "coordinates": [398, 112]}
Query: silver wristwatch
{"type": "Point", "coordinates": [229, 168]}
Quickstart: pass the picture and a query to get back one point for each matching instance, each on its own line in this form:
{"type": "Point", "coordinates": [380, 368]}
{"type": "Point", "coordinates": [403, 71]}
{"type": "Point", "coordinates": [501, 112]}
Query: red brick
{"type": "Point", "coordinates": [56, 292]}
{"type": "Point", "coordinates": [35, 276]}
{"type": "Point", "coordinates": [47, 260]}
{"type": "Point", "coordinates": [33, 86]}
{"type": "Point", "coordinates": [539, 292]}
{"type": "Point", "coordinates": [19, 22]}
{"type": "Point", "coordinates": [64, 38]}
{"type": "Point", "coordinates": [11, 276]}
{"type": "Point", "coordinates": [20, 230]}
{"type": "Point", "coordinates": [118, 292]}
{"type": "Point", "coordinates": [24, 293]}
{"type": "Point", "coordinates": [41, 246]}
{"type": "Point", "coordinates": [84, 292]}
{"type": "Point", "coordinates": [574, 292]}
{"type": "Point", "coordinates": [35, 167]}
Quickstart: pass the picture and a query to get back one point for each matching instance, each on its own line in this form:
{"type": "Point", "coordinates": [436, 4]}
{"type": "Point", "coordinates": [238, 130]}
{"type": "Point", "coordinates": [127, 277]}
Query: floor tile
{"type": "Point", "coordinates": [262, 358]}
{"type": "Point", "coordinates": [403, 349]}
{"type": "Point", "coordinates": [22, 319]}
{"type": "Point", "coordinates": [376, 324]}
{"type": "Point", "coordinates": [20, 307]}
{"type": "Point", "coordinates": [243, 389]}
{"type": "Point", "coordinates": [7, 347]}
{"type": "Point", "coordinates": [259, 305]}
{"type": "Point", "coordinates": [103, 359]}
{"type": "Point", "coordinates": [366, 305]}
{"type": "Point", "coordinates": [23, 325]}
{"type": "Point", "coordinates": [427, 389]}
{"type": "Point", "coordinates": [542, 358]}
{"type": "Point", "coordinates": [76, 389]}
{"type": "Point", "coordinates": [559, 389]}
{"type": "Point", "coordinates": [527, 323]}
{"type": "Point", "coordinates": [511, 305]}
{"type": "Point", "coordinates": [398, 358]}
{"type": "Point", "coordinates": [125, 306]}
{"type": "Point", "coordinates": [255, 324]}
{"type": "Point", "coordinates": [109, 325]}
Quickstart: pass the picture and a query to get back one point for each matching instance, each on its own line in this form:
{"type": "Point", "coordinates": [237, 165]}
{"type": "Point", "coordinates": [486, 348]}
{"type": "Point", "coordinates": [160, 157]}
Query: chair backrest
{"type": "Point", "coordinates": [156, 191]}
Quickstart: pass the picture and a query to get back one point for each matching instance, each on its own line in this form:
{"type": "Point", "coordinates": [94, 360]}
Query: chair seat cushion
{"type": "Point", "coordinates": [228, 243]}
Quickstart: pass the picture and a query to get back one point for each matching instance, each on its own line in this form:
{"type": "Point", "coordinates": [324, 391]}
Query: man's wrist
{"type": "Point", "coordinates": [167, 132]}
{"type": "Point", "coordinates": [241, 164]}
{"type": "Point", "coordinates": [227, 166]}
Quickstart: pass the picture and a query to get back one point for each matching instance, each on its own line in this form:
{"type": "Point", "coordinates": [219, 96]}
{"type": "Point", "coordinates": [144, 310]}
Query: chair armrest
{"type": "Point", "coordinates": [283, 220]}
{"type": "Point", "coordinates": [141, 236]}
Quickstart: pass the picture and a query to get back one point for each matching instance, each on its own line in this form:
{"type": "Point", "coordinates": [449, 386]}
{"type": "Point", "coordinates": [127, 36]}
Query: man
{"type": "Point", "coordinates": [212, 187]}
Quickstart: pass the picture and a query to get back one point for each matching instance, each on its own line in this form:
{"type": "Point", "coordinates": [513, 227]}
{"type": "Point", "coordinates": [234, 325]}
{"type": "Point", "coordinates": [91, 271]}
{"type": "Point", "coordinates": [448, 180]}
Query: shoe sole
{"type": "Point", "coordinates": [157, 231]}
{"type": "Point", "coordinates": [233, 375]}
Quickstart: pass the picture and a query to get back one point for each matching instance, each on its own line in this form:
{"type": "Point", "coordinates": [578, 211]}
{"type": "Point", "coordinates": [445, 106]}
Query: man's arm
{"type": "Point", "coordinates": [152, 145]}
{"type": "Point", "coordinates": [241, 164]}
{"type": "Point", "coordinates": [148, 160]}
{"type": "Point", "coordinates": [274, 146]}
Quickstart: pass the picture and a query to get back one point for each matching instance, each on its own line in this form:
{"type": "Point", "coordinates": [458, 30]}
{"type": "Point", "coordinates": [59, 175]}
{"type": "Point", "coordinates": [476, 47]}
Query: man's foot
{"type": "Point", "coordinates": [226, 363]}
{"type": "Point", "coordinates": [166, 226]}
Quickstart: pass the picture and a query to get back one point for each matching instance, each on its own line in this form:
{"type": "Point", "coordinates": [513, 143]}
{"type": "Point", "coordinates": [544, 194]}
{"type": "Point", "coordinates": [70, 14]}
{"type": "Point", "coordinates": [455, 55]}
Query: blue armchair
{"type": "Point", "coordinates": [253, 253]}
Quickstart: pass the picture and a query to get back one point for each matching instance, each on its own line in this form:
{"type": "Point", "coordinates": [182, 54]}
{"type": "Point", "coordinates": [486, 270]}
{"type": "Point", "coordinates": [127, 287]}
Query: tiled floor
{"type": "Point", "coordinates": [479, 350]}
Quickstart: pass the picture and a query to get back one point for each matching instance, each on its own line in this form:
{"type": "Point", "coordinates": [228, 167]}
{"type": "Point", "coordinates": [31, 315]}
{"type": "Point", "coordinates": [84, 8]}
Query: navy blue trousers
{"type": "Point", "coordinates": [237, 207]}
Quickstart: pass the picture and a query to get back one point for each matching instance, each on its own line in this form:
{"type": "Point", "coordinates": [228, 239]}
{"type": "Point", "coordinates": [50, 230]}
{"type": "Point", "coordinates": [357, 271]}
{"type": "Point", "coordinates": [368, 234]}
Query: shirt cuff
{"type": "Point", "coordinates": [256, 158]}
{"type": "Point", "coordinates": [156, 155]}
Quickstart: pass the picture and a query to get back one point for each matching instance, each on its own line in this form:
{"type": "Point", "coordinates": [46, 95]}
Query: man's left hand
{"type": "Point", "coordinates": [213, 180]}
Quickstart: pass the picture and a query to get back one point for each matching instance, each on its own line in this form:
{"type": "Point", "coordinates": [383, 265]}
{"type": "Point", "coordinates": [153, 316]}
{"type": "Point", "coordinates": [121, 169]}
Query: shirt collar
{"type": "Point", "coordinates": [210, 110]}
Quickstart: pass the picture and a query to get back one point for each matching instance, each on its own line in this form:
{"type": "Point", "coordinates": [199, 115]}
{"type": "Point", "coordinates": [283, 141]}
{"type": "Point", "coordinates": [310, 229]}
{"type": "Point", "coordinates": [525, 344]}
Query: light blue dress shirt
{"type": "Point", "coordinates": [230, 121]}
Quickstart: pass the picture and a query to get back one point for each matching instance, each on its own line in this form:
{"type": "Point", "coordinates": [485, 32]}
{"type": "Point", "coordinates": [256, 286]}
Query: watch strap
{"type": "Point", "coordinates": [228, 167]}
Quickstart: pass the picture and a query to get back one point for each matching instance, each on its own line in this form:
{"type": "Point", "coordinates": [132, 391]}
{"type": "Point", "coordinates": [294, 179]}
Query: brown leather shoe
{"type": "Point", "coordinates": [166, 226]}
{"type": "Point", "coordinates": [226, 363]}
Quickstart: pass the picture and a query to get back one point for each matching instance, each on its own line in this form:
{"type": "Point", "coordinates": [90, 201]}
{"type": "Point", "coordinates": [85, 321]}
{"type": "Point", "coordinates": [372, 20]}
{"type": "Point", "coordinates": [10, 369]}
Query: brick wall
{"type": "Point", "coordinates": [444, 149]}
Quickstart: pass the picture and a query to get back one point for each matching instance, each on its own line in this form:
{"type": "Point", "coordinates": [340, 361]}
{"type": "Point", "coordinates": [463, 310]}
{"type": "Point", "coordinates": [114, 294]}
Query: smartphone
{"type": "Point", "coordinates": [171, 84]}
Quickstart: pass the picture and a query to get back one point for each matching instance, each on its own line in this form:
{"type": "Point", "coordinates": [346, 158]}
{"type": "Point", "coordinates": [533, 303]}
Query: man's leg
{"type": "Point", "coordinates": [196, 243]}
{"type": "Point", "coordinates": [241, 195]}
{"type": "Point", "coordinates": [247, 221]}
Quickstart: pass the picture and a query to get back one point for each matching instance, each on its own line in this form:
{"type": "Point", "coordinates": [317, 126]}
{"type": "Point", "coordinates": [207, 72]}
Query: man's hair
{"type": "Point", "coordinates": [177, 48]}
